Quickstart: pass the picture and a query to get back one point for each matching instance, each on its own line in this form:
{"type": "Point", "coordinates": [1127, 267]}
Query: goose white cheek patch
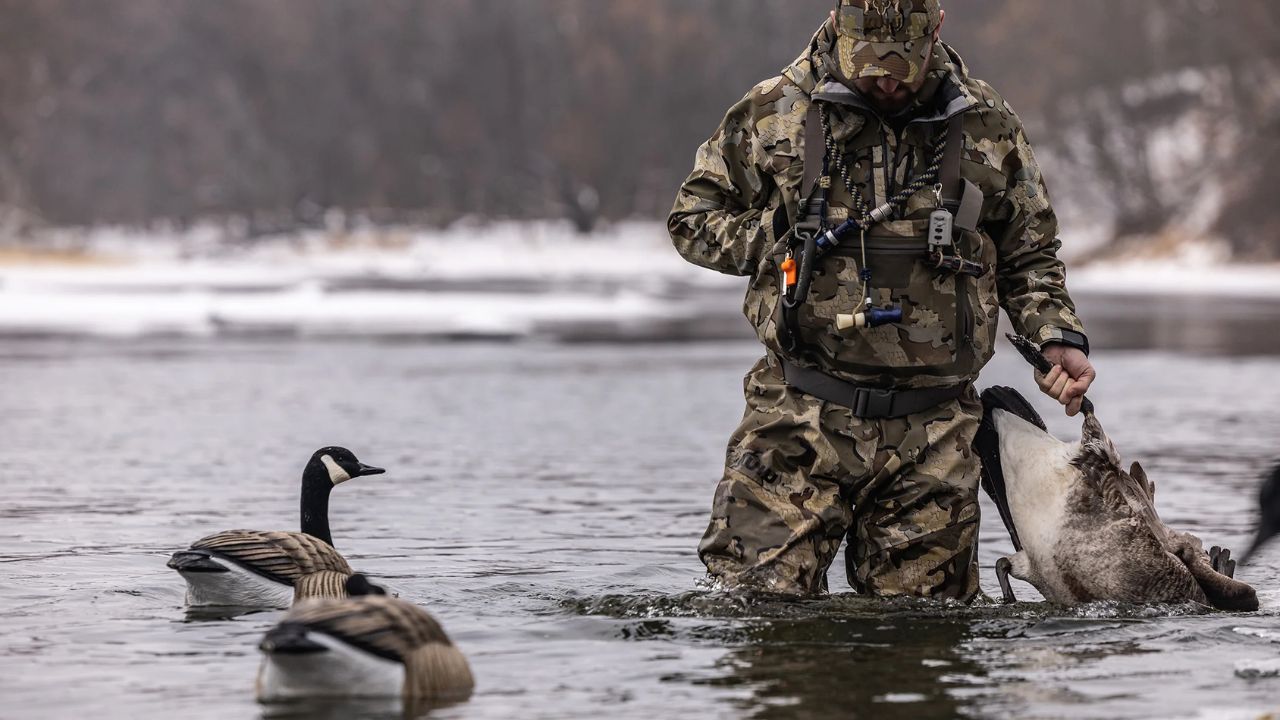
{"type": "Point", "coordinates": [336, 474]}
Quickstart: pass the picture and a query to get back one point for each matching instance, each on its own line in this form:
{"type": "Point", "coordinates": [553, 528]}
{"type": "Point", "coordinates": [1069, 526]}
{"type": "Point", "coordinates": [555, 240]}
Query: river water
{"type": "Point", "coordinates": [544, 500]}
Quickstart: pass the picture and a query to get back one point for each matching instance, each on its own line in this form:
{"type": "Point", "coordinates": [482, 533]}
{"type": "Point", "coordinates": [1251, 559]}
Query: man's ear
{"type": "Point", "coordinates": [937, 32]}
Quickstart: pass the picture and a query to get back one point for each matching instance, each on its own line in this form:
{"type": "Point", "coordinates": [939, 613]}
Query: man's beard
{"type": "Point", "coordinates": [886, 103]}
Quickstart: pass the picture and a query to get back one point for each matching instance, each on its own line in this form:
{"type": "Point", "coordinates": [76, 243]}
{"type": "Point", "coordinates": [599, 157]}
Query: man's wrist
{"type": "Point", "coordinates": [1068, 338]}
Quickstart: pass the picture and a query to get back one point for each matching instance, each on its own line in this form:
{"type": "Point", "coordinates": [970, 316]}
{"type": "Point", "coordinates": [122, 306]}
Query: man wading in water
{"type": "Point", "coordinates": [885, 205]}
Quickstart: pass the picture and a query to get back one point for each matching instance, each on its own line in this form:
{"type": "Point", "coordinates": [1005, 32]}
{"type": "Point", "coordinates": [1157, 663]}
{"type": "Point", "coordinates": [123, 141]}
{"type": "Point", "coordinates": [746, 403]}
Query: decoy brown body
{"type": "Point", "coordinates": [367, 645]}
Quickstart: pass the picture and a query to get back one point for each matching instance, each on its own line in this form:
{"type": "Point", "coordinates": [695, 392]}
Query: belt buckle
{"type": "Point", "coordinates": [873, 403]}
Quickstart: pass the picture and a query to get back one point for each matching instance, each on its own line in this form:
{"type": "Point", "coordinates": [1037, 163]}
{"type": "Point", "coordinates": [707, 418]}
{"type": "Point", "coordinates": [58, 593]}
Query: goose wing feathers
{"type": "Point", "coordinates": [384, 626]}
{"type": "Point", "coordinates": [1122, 494]}
{"type": "Point", "coordinates": [281, 556]}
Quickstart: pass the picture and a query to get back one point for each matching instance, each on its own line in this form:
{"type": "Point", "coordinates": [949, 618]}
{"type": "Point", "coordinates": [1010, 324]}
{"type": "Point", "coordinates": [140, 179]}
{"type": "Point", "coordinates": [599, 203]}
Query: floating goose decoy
{"type": "Point", "coordinates": [367, 645]}
{"type": "Point", "coordinates": [1269, 505]}
{"type": "Point", "coordinates": [251, 568]}
{"type": "Point", "coordinates": [1086, 530]}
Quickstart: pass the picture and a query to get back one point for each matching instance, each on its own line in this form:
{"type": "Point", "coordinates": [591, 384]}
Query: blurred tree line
{"type": "Point", "coordinates": [424, 111]}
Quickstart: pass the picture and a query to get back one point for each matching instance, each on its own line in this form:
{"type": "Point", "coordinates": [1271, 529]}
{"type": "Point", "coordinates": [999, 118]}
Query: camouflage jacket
{"type": "Point", "coordinates": [735, 211]}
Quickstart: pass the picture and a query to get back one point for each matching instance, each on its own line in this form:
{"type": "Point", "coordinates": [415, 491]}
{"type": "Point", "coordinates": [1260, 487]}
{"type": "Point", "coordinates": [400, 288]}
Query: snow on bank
{"type": "Point", "coordinates": [310, 312]}
{"type": "Point", "coordinates": [505, 281]}
{"type": "Point", "coordinates": [1167, 278]}
{"type": "Point", "coordinates": [545, 253]}
{"type": "Point", "coordinates": [1193, 268]}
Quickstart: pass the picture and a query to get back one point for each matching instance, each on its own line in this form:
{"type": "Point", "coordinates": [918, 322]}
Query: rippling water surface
{"type": "Point", "coordinates": [545, 501]}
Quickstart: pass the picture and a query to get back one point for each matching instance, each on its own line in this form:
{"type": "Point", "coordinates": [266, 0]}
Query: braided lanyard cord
{"type": "Point", "coordinates": [863, 217]}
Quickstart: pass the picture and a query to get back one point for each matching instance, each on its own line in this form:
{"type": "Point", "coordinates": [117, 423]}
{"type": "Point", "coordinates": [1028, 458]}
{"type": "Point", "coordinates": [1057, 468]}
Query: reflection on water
{"type": "Point", "coordinates": [1216, 326]}
{"type": "Point", "coordinates": [835, 668]}
{"type": "Point", "coordinates": [545, 503]}
{"type": "Point", "coordinates": [848, 656]}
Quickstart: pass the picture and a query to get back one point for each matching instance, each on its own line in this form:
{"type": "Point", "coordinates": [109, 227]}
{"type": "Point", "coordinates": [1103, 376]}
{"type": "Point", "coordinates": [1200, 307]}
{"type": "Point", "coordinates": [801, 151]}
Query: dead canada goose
{"type": "Point", "coordinates": [1085, 529]}
{"type": "Point", "coordinates": [1269, 520]}
{"type": "Point", "coordinates": [251, 568]}
{"type": "Point", "coordinates": [367, 645]}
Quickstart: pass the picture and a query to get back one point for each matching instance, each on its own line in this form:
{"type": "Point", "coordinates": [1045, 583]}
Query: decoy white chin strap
{"type": "Point", "coordinates": [336, 474]}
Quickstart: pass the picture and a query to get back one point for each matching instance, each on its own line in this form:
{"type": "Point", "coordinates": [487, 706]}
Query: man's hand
{"type": "Point", "coordinates": [1070, 378]}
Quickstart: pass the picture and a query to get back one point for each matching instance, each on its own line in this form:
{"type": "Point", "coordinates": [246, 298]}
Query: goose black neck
{"type": "Point", "coordinates": [316, 487]}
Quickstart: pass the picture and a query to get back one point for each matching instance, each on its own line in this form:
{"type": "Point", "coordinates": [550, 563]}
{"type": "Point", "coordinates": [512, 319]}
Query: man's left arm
{"type": "Point", "coordinates": [1031, 280]}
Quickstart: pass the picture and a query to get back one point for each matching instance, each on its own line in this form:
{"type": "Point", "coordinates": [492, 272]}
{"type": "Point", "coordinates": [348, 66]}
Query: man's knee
{"type": "Point", "coordinates": [772, 536]}
{"type": "Point", "coordinates": [800, 570]}
{"type": "Point", "coordinates": [932, 554]}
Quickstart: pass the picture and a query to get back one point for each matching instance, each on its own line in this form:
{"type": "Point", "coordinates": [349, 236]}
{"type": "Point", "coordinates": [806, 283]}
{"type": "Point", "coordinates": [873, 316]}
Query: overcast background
{"type": "Point", "coordinates": [1153, 117]}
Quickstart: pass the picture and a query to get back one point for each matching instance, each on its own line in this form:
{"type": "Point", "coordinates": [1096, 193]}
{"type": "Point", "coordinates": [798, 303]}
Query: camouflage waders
{"type": "Point", "coordinates": [801, 474]}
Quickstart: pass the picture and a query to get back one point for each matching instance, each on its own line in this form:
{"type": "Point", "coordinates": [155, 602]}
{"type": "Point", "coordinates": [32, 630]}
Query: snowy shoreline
{"type": "Point", "coordinates": [506, 281]}
{"type": "Point", "coordinates": [1157, 277]}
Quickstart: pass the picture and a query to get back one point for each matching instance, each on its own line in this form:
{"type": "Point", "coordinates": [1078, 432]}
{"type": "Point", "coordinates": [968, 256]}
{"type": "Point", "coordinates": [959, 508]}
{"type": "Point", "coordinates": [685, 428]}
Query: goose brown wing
{"type": "Point", "coordinates": [1138, 494]}
{"type": "Point", "coordinates": [280, 556]}
{"type": "Point", "coordinates": [1126, 494]}
{"type": "Point", "coordinates": [384, 626]}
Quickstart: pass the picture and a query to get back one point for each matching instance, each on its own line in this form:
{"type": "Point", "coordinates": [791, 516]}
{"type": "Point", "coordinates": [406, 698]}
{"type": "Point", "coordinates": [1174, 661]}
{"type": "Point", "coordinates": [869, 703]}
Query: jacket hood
{"type": "Point", "coordinates": [946, 85]}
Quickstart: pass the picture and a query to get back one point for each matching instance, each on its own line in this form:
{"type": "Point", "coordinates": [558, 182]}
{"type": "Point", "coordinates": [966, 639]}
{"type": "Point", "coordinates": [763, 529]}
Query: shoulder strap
{"type": "Point", "coordinates": [960, 196]}
{"type": "Point", "coordinates": [952, 184]}
{"type": "Point", "coordinates": [815, 148]}
{"type": "Point", "coordinates": [813, 195]}
{"type": "Point", "coordinates": [810, 216]}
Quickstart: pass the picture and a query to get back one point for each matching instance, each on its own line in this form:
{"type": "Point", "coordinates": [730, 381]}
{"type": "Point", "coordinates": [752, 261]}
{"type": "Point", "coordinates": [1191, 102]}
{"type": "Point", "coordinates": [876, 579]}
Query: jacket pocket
{"type": "Point", "coordinates": [932, 330]}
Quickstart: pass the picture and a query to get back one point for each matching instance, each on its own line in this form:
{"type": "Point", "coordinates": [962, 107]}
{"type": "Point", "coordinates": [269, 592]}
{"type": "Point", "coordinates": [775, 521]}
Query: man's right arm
{"type": "Point", "coordinates": [716, 221]}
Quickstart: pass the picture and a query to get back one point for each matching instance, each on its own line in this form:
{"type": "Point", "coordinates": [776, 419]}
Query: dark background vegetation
{"type": "Point", "coordinates": [423, 111]}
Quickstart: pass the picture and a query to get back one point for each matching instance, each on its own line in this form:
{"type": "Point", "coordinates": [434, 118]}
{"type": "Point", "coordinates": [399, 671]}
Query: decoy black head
{"type": "Point", "coordinates": [1269, 515]}
{"type": "Point", "coordinates": [358, 585]}
{"type": "Point", "coordinates": [327, 468]}
{"type": "Point", "coordinates": [339, 465]}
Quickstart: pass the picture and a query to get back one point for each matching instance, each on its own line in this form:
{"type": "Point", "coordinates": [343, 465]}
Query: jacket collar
{"type": "Point", "coordinates": [950, 95]}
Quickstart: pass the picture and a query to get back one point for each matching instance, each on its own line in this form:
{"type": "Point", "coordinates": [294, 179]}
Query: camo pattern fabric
{"type": "Point", "coordinates": [885, 38]}
{"type": "Point", "coordinates": [802, 474]}
{"type": "Point", "coordinates": [735, 211]}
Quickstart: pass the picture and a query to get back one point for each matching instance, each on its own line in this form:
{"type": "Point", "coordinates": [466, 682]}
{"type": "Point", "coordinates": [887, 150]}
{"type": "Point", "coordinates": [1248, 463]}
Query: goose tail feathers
{"type": "Point", "coordinates": [438, 671]}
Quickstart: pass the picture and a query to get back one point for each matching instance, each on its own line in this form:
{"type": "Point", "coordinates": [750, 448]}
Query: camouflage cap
{"type": "Point", "coordinates": [885, 38]}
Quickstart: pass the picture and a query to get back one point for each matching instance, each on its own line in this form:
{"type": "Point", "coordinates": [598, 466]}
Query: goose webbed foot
{"type": "Point", "coordinates": [1004, 567]}
{"type": "Point", "coordinates": [1221, 562]}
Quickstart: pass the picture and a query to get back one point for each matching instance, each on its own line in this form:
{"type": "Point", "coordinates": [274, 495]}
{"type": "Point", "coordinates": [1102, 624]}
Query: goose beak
{"type": "Point", "coordinates": [364, 470]}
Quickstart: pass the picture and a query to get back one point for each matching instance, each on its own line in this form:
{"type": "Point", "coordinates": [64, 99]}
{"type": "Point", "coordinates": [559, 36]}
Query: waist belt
{"type": "Point", "coordinates": [868, 402]}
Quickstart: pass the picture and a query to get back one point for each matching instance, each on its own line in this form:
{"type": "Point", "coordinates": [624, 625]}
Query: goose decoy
{"type": "Point", "coordinates": [1084, 528]}
{"type": "Point", "coordinates": [251, 568]}
{"type": "Point", "coordinates": [366, 645]}
{"type": "Point", "coordinates": [1269, 519]}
